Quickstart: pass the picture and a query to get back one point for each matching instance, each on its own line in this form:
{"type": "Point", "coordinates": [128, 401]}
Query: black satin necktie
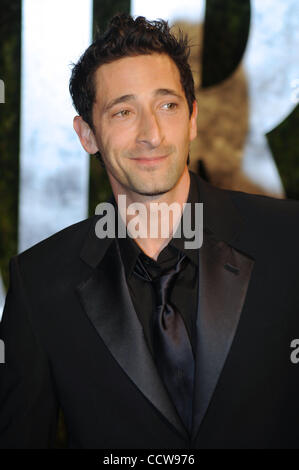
{"type": "Point", "coordinates": [171, 344]}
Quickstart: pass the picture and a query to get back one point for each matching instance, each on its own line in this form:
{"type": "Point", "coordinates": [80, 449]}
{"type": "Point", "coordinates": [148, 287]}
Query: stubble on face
{"type": "Point", "coordinates": [155, 183]}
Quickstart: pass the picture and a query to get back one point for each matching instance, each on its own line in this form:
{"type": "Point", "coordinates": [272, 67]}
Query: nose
{"type": "Point", "coordinates": [149, 130]}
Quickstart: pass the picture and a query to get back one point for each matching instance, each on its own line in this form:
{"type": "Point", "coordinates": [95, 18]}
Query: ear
{"type": "Point", "coordinates": [85, 135]}
{"type": "Point", "coordinates": [193, 122]}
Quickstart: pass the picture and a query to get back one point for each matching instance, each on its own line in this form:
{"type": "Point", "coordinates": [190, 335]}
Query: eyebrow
{"type": "Point", "coordinates": [131, 97]}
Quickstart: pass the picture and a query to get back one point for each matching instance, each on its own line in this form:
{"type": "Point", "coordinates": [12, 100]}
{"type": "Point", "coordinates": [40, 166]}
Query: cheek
{"type": "Point", "coordinates": [181, 139]}
{"type": "Point", "coordinates": [119, 139]}
{"type": "Point", "coordinates": [177, 130]}
{"type": "Point", "coordinates": [114, 145]}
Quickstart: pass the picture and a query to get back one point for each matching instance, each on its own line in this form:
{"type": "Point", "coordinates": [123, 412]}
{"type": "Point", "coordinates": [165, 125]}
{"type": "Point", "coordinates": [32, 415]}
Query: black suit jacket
{"type": "Point", "coordinates": [73, 339]}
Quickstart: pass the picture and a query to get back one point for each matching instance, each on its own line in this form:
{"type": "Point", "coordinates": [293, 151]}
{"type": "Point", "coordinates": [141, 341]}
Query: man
{"type": "Point", "coordinates": [85, 329]}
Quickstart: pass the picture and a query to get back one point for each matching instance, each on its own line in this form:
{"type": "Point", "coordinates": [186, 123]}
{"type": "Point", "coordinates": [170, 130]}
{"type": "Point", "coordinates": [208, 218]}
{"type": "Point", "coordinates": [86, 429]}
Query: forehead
{"type": "Point", "coordinates": [137, 75]}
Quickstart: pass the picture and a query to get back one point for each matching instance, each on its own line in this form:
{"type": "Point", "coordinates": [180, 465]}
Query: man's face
{"type": "Point", "coordinates": [142, 123]}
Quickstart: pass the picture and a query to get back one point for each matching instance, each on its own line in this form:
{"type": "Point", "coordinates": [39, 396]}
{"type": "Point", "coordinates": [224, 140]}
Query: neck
{"type": "Point", "coordinates": [152, 225]}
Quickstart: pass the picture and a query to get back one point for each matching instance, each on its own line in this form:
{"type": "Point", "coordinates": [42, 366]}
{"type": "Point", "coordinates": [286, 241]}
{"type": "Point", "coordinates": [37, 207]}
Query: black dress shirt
{"type": "Point", "coordinates": [185, 290]}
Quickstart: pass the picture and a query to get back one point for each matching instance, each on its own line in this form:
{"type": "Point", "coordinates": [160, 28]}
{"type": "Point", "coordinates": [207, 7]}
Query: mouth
{"type": "Point", "coordinates": [150, 160]}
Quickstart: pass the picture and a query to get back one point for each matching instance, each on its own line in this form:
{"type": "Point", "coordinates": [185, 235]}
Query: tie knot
{"type": "Point", "coordinates": [163, 281]}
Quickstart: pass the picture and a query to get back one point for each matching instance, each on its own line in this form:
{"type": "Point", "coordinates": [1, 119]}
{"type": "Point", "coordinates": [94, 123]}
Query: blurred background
{"type": "Point", "coordinates": [245, 61]}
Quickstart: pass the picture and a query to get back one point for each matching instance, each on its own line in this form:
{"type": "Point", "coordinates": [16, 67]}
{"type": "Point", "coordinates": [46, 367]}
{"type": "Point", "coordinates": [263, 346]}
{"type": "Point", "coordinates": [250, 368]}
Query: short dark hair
{"type": "Point", "coordinates": [124, 37]}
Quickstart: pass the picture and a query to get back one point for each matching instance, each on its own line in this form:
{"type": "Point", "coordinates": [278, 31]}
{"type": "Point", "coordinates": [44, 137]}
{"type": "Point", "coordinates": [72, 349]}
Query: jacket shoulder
{"type": "Point", "coordinates": [269, 220]}
{"type": "Point", "coordinates": [266, 207]}
{"type": "Point", "coordinates": [58, 247]}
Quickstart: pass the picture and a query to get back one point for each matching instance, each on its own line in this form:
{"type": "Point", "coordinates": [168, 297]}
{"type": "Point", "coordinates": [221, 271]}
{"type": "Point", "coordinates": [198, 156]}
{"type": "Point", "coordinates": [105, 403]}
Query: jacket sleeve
{"type": "Point", "coordinates": [28, 405]}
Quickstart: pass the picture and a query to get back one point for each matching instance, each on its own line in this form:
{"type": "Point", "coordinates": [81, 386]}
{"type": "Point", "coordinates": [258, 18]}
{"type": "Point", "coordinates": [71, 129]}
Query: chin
{"type": "Point", "coordinates": [154, 191]}
{"type": "Point", "coordinates": [162, 185]}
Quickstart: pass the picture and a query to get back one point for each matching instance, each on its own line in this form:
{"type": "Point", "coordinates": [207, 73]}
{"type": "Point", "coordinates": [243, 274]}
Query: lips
{"type": "Point", "coordinates": [150, 159]}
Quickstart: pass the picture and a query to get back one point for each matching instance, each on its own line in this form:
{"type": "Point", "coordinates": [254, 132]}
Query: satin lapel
{"type": "Point", "coordinates": [224, 276]}
{"type": "Point", "coordinates": [107, 302]}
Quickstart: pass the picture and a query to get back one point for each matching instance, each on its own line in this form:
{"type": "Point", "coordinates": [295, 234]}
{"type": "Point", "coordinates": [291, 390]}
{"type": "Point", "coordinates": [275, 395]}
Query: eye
{"type": "Point", "coordinates": [170, 106]}
{"type": "Point", "coordinates": [122, 113]}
